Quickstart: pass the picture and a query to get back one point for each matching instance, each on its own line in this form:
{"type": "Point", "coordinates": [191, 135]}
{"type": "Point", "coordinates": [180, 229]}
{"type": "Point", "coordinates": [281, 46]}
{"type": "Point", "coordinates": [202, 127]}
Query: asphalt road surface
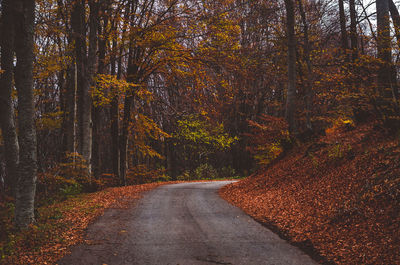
{"type": "Point", "coordinates": [183, 224]}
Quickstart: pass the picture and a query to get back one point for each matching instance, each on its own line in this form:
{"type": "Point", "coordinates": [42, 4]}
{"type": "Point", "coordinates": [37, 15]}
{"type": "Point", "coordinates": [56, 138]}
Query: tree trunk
{"type": "Point", "coordinates": [69, 121]}
{"type": "Point", "coordinates": [78, 27]}
{"type": "Point", "coordinates": [7, 120]}
{"type": "Point", "coordinates": [353, 30]}
{"type": "Point", "coordinates": [24, 47]}
{"type": "Point", "coordinates": [384, 48]}
{"type": "Point", "coordinates": [115, 137]}
{"type": "Point", "coordinates": [114, 116]}
{"type": "Point", "coordinates": [115, 126]}
{"type": "Point", "coordinates": [291, 89]}
{"type": "Point", "coordinates": [86, 107]}
{"type": "Point", "coordinates": [343, 30]}
{"type": "Point", "coordinates": [85, 70]}
{"type": "Point", "coordinates": [79, 33]}
{"type": "Point", "coordinates": [308, 86]}
{"type": "Point", "coordinates": [97, 111]}
{"type": "Point", "coordinates": [70, 91]}
{"type": "Point", "coordinates": [124, 138]}
{"type": "Point", "coordinates": [396, 22]}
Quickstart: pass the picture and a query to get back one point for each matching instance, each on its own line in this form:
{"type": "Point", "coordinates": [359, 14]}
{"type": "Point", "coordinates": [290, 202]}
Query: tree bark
{"type": "Point", "coordinates": [69, 122]}
{"type": "Point", "coordinates": [343, 30]}
{"type": "Point", "coordinates": [129, 101]}
{"type": "Point", "coordinates": [78, 29]}
{"type": "Point", "coordinates": [70, 90]}
{"type": "Point", "coordinates": [114, 116]}
{"type": "Point", "coordinates": [124, 138]}
{"type": "Point", "coordinates": [7, 118]}
{"type": "Point", "coordinates": [117, 147]}
{"type": "Point", "coordinates": [353, 30]}
{"type": "Point", "coordinates": [86, 107]}
{"type": "Point", "coordinates": [97, 111]}
{"type": "Point", "coordinates": [384, 48]}
{"type": "Point", "coordinates": [396, 22]}
{"type": "Point", "coordinates": [85, 64]}
{"type": "Point", "coordinates": [291, 89]}
{"type": "Point", "coordinates": [24, 47]}
{"type": "Point", "coordinates": [396, 19]}
{"type": "Point", "coordinates": [308, 86]}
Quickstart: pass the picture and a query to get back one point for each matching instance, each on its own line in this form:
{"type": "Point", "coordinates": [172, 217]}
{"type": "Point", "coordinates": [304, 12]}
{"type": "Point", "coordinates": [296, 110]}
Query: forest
{"type": "Point", "coordinates": [97, 94]}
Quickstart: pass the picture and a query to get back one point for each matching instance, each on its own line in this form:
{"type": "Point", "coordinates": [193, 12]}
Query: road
{"type": "Point", "coordinates": [183, 224]}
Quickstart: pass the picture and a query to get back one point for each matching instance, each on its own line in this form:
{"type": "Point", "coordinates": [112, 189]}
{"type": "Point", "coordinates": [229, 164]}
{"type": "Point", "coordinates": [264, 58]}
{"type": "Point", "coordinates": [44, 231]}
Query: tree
{"type": "Point", "coordinates": [27, 167]}
{"type": "Point", "coordinates": [394, 13]}
{"type": "Point", "coordinates": [90, 71]}
{"type": "Point", "coordinates": [85, 63]}
{"type": "Point", "coordinates": [7, 119]}
{"type": "Point", "coordinates": [306, 47]}
{"type": "Point", "coordinates": [384, 49]}
{"type": "Point", "coordinates": [343, 30]}
{"type": "Point", "coordinates": [353, 30]}
{"type": "Point", "coordinates": [291, 62]}
{"type": "Point", "coordinates": [396, 23]}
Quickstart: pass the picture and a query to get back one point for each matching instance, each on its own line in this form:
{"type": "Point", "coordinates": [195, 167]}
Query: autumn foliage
{"type": "Point", "coordinates": [267, 138]}
{"type": "Point", "coordinates": [337, 198]}
{"type": "Point", "coordinates": [61, 225]}
{"type": "Point", "coordinates": [121, 92]}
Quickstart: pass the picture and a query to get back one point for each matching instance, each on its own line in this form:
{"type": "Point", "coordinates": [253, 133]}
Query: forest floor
{"type": "Point", "coordinates": [62, 225]}
{"type": "Point", "coordinates": [337, 198]}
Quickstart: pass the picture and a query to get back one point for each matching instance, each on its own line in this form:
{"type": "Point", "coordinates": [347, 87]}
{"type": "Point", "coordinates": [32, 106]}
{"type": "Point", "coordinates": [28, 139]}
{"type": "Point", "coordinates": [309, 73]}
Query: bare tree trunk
{"type": "Point", "coordinates": [24, 45]}
{"type": "Point", "coordinates": [291, 90]}
{"type": "Point", "coordinates": [98, 112]}
{"type": "Point", "coordinates": [85, 70]}
{"type": "Point", "coordinates": [353, 30]}
{"type": "Point", "coordinates": [114, 116]}
{"type": "Point", "coordinates": [343, 30]}
{"type": "Point", "coordinates": [7, 119]}
{"type": "Point", "coordinates": [69, 105]}
{"type": "Point", "coordinates": [118, 149]}
{"type": "Point", "coordinates": [124, 138]}
{"type": "Point", "coordinates": [129, 99]}
{"type": "Point", "coordinates": [79, 33]}
{"type": "Point", "coordinates": [308, 92]}
{"type": "Point", "coordinates": [69, 126]}
{"type": "Point", "coordinates": [86, 107]}
{"type": "Point", "coordinates": [384, 48]}
{"type": "Point", "coordinates": [396, 22]}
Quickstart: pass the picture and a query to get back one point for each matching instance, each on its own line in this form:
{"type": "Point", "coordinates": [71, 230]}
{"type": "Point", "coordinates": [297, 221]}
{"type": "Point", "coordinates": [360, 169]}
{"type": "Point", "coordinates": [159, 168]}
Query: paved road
{"type": "Point", "coordinates": [183, 224]}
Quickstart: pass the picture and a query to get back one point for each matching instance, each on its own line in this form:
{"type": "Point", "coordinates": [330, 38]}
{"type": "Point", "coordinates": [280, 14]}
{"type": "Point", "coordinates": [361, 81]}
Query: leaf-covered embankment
{"type": "Point", "coordinates": [62, 225]}
{"type": "Point", "coordinates": [339, 195]}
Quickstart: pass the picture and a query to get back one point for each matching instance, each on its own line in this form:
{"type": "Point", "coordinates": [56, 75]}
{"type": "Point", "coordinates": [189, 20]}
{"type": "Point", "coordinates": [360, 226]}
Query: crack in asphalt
{"type": "Point", "coordinates": [214, 261]}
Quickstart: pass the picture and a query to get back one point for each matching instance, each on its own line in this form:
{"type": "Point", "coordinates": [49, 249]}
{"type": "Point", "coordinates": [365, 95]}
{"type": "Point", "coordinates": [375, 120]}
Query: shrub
{"type": "Point", "coordinates": [205, 171]}
{"type": "Point", "coordinates": [142, 174]}
{"type": "Point", "coordinates": [66, 179]}
{"type": "Point", "coordinates": [338, 125]}
{"type": "Point", "coordinates": [267, 138]}
{"type": "Point", "coordinates": [184, 176]}
{"type": "Point", "coordinates": [228, 172]}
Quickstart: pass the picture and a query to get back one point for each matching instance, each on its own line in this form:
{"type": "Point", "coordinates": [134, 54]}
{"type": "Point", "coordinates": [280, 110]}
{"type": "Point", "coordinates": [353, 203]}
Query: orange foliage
{"type": "Point", "coordinates": [62, 225]}
{"type": "Point", "coordinates": [341, 197]}
{"type": "Point", "coordinates": [265, 142]}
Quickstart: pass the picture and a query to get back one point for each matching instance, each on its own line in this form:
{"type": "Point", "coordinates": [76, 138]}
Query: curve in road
{"type": "Point", "coordinates": [183, 224]}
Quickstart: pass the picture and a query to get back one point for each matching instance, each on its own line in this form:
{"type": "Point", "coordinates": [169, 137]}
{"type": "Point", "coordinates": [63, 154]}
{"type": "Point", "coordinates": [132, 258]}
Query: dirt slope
{"type": "Point", "coordinates": [339, 196]}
